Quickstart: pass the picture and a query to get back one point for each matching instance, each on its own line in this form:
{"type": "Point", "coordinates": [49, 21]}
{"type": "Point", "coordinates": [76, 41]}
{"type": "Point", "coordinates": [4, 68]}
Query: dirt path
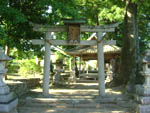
{"type": "Point", "coordinates": [75, 98]}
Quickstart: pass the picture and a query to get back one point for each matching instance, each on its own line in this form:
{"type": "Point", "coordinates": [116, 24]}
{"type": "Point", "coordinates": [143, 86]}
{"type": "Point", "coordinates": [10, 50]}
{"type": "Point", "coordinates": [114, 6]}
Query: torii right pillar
{"type": "Point", "coordinates": [101, 74]}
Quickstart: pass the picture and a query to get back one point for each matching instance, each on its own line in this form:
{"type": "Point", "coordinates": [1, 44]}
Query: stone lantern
{"type": "Point", "coordinates": [143, 91]}
{"type": "Point", "coordinates": [8, 101]}
{"type": "Point", "coordinates": [58, 69]}
{"type": "Point", "coordinates": [146, 69]}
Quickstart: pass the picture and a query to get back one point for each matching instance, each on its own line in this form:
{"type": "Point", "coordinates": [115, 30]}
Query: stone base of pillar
{"type": "Point", "coordinates": [8, 101]}
{"type": "Point", "coordinates": [143, 99]}
{"type": "Point", "coordinates": [12, 111]}
{"type": "Point", "coordinates": [72, 77]}
{"type": "Point", "coordinates": [57, 79]}
{"type": "Point", "coordinates": [4, 90]}
{"type": "Point", "coordinates": [141, 90]}
{"type": "Point", "coordinates": [143, 109]}
{"type": "Point", "coordinates": [8, 107]}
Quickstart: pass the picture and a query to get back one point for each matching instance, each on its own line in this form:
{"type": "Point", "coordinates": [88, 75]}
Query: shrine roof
{"type": "Point", "coordinates": [91, 51]}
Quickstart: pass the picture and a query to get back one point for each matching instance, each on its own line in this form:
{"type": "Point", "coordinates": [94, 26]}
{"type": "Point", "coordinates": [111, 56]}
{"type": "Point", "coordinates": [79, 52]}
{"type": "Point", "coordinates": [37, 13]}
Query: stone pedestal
{"type": "Point", "coordinates": [8, 101]}
{"type": "Point", "coordinates": [72, 77]}
{"type": "Point", "coordinates": [57, 76]}
{"type": "Point", "coordinates": [143, 99]}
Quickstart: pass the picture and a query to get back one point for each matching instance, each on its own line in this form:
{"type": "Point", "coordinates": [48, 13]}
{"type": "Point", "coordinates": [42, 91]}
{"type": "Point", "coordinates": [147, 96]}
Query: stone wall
{"type": "Point", "coordinates": [22, 86]}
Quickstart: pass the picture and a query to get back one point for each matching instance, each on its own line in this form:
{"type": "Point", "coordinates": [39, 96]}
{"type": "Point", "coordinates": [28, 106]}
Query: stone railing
{"type": "Point", "coordinates": [22, 86]}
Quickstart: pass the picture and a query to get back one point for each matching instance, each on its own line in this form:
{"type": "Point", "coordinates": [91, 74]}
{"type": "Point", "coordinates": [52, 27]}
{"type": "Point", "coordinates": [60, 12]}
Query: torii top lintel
{"type": "Point", "coordinates": [73, 22]}
{"type": "Point", "coordinates": [83, 28]}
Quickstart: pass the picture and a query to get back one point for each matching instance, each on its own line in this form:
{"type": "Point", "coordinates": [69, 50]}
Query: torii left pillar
{"type": "Point", "coordinates": [101, 74]}
{"type": "Point", "coordinates": [46, 78]}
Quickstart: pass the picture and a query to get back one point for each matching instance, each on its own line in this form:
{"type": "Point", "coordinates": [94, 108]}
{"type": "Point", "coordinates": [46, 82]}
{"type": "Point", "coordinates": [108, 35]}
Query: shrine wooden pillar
{"type": "Point", "coordinates": [101, 74]}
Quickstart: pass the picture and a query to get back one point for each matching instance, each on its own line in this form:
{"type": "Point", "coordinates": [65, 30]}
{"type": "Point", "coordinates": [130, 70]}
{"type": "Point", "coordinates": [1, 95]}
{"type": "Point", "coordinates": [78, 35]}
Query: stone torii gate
{"type": "Point", "coordinates": [100, 30]}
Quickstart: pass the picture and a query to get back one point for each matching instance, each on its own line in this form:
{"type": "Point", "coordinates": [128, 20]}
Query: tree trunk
{"type": "Point", "coordinates": [130, 47]}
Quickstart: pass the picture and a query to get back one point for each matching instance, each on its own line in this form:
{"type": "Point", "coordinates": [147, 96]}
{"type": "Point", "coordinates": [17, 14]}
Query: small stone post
{"type": "Point", "coordinates": [8, 101]}
{"type": "Point", "coordinates": [143, 92]}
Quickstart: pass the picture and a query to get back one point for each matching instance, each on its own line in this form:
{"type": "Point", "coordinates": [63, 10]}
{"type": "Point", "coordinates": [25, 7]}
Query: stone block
{"type": "Point", "coordinates": [142, 91]}
{"type": "Point", "coordinates": [143, 108]}
{"type": "Point", "coordinates": [4, 90]}
{"type": "Point", "coordinates": [143, 99]}
{"type": "Point", "coordinates": [6, 98]}
{"type": "Point", "coordinates": [12, 111]}
{"type": "Point", "coordinates": [6, 108]}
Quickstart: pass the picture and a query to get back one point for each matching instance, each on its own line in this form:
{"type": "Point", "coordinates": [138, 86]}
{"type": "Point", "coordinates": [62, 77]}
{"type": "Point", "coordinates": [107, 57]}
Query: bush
{"type": "Point", "coordinates": [28, 67]}
{"type": "Point", "coordinates": [12, 67]}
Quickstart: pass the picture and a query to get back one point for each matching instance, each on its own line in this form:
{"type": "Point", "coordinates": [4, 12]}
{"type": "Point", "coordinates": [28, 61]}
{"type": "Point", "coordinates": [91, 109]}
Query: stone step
{"type": "Point", "coordinates": [72, 105]}
{"type": "Point", "coordinates": [90, 107]}
{"type": "Point", "coordinates": [102, 100]}
{"type": "Point", "coordinates": [56, 100]}
{"type": "Point", "coordinates": [103, 109]}
{"type": "Point", "coordinates": [72, 96]}
{"type": "Point", "coordinates": [87, 81]}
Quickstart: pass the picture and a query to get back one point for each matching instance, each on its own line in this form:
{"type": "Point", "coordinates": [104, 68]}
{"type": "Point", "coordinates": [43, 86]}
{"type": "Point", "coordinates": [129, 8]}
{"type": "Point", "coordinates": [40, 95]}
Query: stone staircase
{"type": "Point", "coordinates": [75, 104]}
{"type": "Point", "coordinates": [75, 98]}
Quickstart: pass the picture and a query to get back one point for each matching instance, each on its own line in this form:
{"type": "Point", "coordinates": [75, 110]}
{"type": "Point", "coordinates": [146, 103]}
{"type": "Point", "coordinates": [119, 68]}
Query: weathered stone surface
{"type": "Point", "coordinates": [141, 90]}
{"type": "Point", "coordinates": [4, 90]}
{"type": "Point", "coordinates": [3, 57]}
{"type": "Point", "coordinates": [143, 99]}
{"type": "Point", "coordinates": [6, 98]}
{"type": "Point", "coordinates": [143, 109]}
{"type": "Point", "coordinates": [2, 71]}
{"type": "Point", "coordinates": [22, 87]}
{"type": "Point", "coordinates": [7, 101]}
{"type": "Point", "coordinates": [12, 111]}
{"type": "Point", "coordinates": [8, 107]}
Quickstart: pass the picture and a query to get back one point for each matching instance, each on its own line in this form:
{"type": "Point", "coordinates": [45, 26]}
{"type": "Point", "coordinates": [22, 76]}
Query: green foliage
{"type": "Point", "coordinates": [24, 67]}
{"type": "Point", "coordinates": [2, 35]}
{"type": "Point", "coordinates": [10, 15]}
{"type": "Point", "coordinates": [112, 14]}
{"type": "Point", "coordinates": [14, 19]}
{"type": "Point", "coordinates": [28, 67]}
{"type": "Point", "coordinates": [15, 16]}
{"type": "Point", "coordinates": [143, 24]}
{"type": "Point", "coordinates": [19, 55]}
{"type": "Point", "coordinates": [13, 67]}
